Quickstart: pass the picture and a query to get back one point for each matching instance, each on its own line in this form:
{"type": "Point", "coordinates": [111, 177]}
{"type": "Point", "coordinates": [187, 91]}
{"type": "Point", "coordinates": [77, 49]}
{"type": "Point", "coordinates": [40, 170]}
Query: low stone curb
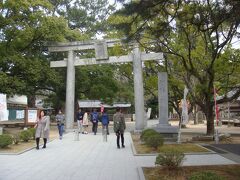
{"type": "Point", "coordinates": [155, 154]}
{"type": "Point", "coordinates": [140, 173]}
{"type": "Point", "coordinates": [18, 153]}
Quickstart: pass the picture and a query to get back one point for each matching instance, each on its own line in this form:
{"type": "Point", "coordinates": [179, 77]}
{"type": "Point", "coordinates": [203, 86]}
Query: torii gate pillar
{"type": "Point", "coordinates": [141, 121]}
{"type": "Point", "coordinates": [70, 90]}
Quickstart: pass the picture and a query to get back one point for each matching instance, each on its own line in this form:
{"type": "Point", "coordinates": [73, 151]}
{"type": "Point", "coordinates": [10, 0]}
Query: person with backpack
{"type": "Point", "coordinates": [60, 119]}
{"type": "Point", "coordinates": [119, 126]}
{"type": "Point", "coordinates": [94, 120]}
{"type": "Point", "coordinates": [105, 121]}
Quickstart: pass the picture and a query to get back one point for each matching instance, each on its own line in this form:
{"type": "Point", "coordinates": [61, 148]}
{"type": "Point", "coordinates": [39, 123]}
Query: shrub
{"type": "Point", "coordinates": [154, 140]}
{"type": "Point", "coordinates": [172, 159]}
{"type": "Point", "coordinates": [5, 140]}
{"type": "Point", "coordinates": [25, 135]}
{"type": "Point", "coordinates": [146, 133]}
{"type": "Point", "coordinates": [32, 132]}
{"type": "Point", "coordinates": [16, 138]}
{"type": "Point", "coordinates": [205, 175]}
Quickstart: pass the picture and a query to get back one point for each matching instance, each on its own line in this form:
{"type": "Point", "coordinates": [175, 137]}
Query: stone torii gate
{"type": "Point", "coordinates": [102, 57]}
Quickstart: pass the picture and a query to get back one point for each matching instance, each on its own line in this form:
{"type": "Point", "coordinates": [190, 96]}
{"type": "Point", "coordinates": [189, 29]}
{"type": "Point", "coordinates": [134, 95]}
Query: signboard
{"type": "Point", "coordinates": [3, 108]}
{"type": "Point", "coordinates": [101, 52]}
{"type": "Point", "coordinates": [20, 114]}
{"type": "Point", "coordinates": [32, 116]}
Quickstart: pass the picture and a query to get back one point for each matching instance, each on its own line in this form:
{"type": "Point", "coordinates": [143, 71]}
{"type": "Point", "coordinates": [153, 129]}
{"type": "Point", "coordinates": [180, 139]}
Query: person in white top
{"type": "Point", "coordinates": [85, 122]}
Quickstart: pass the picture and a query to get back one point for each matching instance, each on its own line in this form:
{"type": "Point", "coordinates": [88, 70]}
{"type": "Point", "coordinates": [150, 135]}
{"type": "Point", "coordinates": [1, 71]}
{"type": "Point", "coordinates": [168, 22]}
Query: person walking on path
{"type": "Point", "coordinates": [94, 120]}
{"type": "Point", "coordinates": [42, 129]}
{"type": "Point", "coordinates": [85, 122]}
{"type": "Point", "coordinates": [105, 121]}
{"type": "Point", "coordinates": [119, 126]}
{"type": "Point", "coordinates": [60, 118]}
{"type": "Point", "coordinates": [79, 117]}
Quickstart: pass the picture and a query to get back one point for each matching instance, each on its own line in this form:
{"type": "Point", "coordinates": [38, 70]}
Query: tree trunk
{"type": "Point", "coordinates": [210, 119]}
{"type": "Point", "coordinates": [195, 115]}
{"type": "Point", "coordinates": [31, 101]}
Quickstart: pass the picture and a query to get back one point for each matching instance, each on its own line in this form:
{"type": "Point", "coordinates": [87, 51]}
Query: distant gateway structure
{"type": "Point", "coordinates": [101, 57]}
{"type": "Point", "coordinates": [99, 104]}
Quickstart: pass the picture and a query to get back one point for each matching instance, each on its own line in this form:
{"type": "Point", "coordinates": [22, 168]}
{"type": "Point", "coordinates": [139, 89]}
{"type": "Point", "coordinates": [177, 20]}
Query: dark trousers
{"type": "Point", "coordinates": [44, 142]}
{"type": "Point", "coordinates": [105, 126]}
{"type": "Point", "coordinates": [119, 134]}
{"type": "Point", "coordinates": [60, 129]}
{"type": "Point", "coordinates": [94, 127]}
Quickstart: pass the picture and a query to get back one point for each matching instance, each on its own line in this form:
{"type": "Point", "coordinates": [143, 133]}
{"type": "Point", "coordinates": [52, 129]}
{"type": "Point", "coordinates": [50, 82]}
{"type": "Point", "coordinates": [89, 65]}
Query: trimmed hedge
{"type": "Point", "coordinates": [171, 160]}
{"type": "Point", "coordinates": [32, 132]}
{"type": "Point", "coordinates": [154, 140]}
{"type": "Point", "coordinates": [16, 138]}
{"type": "Point", "coordinates": [147, 133]}
{"type": "Point", "coordinates": [25, 135]}
{"type": "Point", "coordinates": [5, 140]}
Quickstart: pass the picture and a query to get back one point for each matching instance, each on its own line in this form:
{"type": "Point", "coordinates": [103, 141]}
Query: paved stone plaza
{"type": "Point", "coordinates": [89, 158]}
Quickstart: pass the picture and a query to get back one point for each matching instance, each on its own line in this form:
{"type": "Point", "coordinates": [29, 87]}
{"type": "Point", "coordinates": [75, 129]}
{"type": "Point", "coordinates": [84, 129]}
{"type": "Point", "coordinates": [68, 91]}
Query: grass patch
{"type": "Point", "coordinates": [228, 172]}
{"type": "Point", "coordinates": [21, 146]}
{"type": "Point", "coordinates": [184, 148]}
{"type": "Point", "coordinates": [17, 148]}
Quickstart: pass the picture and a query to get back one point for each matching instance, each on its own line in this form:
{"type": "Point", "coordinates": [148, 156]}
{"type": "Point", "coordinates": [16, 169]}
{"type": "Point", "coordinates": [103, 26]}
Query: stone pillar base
{"type": "Point", "coordinates": [137, 131]}
{"type": "Point", "coordinates": [169, 132]}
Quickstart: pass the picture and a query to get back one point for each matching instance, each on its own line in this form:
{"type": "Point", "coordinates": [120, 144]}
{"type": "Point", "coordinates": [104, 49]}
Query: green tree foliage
{"type": "Point", "coordinates": [196, 38]}
{"type": "Point", "coordinates": [96, 82]}
{"type": "Point", "coordinates": [87, 16]}
{"type": "Point", "coordinates": [25, 28]}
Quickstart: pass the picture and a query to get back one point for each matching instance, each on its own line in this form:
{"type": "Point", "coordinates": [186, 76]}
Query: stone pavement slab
{"type": "Point", "coordinates": [88, 159]}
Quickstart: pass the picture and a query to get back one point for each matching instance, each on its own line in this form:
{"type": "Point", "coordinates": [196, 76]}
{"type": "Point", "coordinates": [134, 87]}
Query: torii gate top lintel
{"type": "Point", "coordinates": [81, 45]}
{"type": "Point", "coordinates": [101, 52]}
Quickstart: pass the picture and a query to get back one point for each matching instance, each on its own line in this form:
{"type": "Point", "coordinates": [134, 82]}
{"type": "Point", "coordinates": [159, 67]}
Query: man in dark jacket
{"type": "Point", "coordinates": [94, 120]}
{"type": "Point", "coordinates": [119, 126]}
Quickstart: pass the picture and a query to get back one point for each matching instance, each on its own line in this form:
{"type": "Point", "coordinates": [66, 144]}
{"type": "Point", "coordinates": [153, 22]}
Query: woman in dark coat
{"type": "Point", "coordinates": [119, 126]}
{"type": "Point", "coordinates": [42, 129]}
